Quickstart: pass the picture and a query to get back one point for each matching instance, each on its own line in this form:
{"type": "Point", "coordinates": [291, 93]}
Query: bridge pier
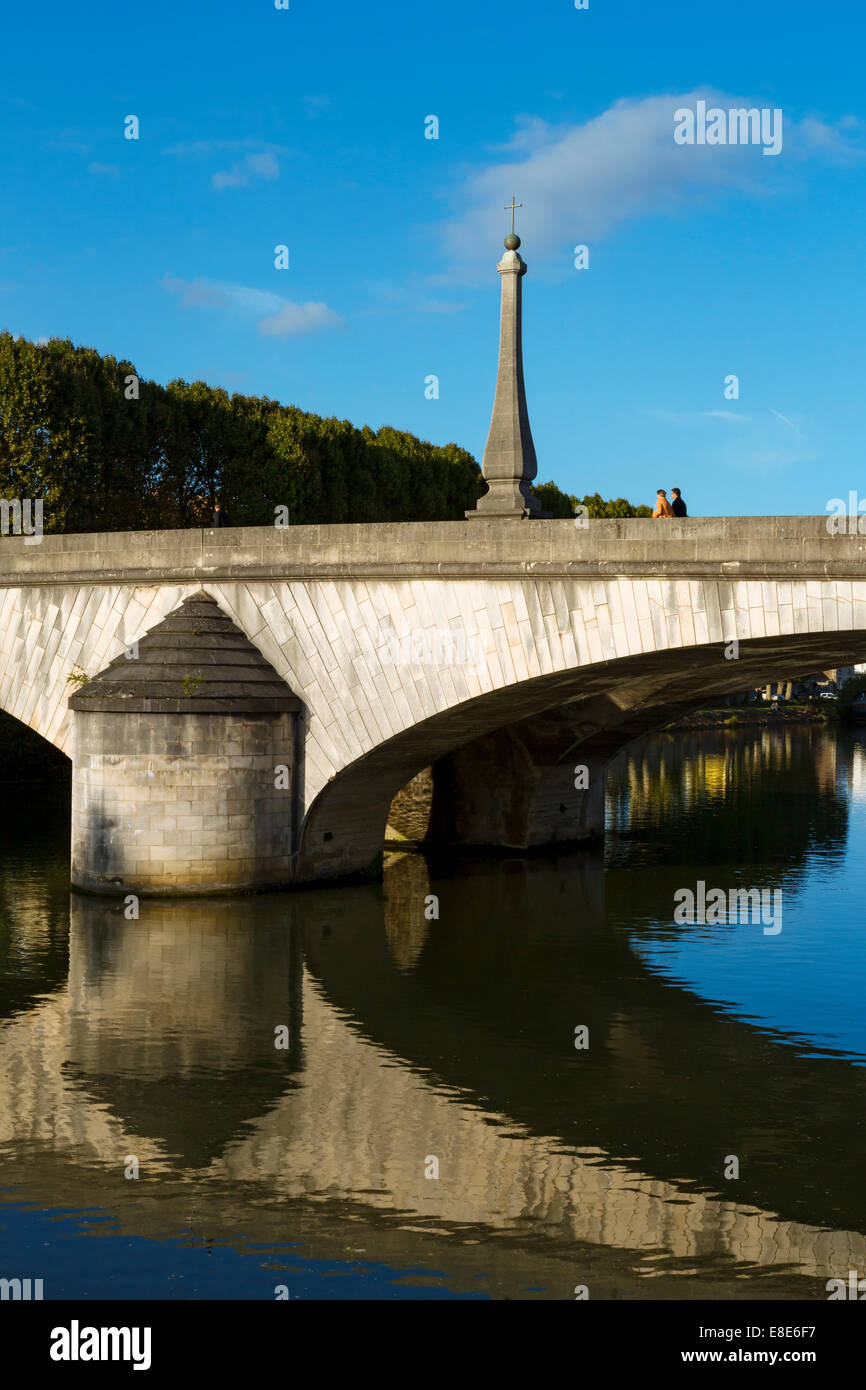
{"type": "Point", "coordinates": [184, 764]}
{"type": "Point", "coordinates": [542, 781]}
{"type": "Point", "coordinates": [519, 788]}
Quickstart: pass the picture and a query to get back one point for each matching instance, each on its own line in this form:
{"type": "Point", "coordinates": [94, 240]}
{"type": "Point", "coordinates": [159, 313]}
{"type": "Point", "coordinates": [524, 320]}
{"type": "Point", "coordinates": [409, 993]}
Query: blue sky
{"type": "Point", "coordinates": [305, 127]}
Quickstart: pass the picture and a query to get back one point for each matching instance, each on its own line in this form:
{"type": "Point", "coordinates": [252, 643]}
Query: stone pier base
{"type": "Point", "coordinates": [183, 774]}
{"type": "Point", "coordinates": [182, 804]}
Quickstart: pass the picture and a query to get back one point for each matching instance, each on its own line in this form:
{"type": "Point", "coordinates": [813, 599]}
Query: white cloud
{"type": "Point", "coordinates": [764, 446]}
{"type": "Point", "coordinates": [315, 105]}
{"type": "Point", "coordinates": [291, 320]}
{"type": "Point", "coordinates": [203, 149]}
{"type": "Point", "coordinates": [783, 418]}
{"type": "Point", "coordinates": [244, 171]}
{"type": "Point", "coordinates": [678, 417]}
{"type": "Point", "coordinates": [274, 316]}
{"type": "Point", "coordinates": [578, 182]}
{"type": "Point", "coordinates": [766, 461]}
{"type": "Point", "coordinates": [410, 300]}
{"type": "Point", "coordinates": [257, 159]}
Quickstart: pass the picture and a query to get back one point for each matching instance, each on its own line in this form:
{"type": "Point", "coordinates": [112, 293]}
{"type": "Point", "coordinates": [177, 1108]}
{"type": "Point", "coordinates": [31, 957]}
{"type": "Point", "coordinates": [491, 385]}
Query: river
{"type": "Point", "coordinates": [482, 1078]}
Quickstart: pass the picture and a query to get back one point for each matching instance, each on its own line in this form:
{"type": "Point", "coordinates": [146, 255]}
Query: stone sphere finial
{"type": "Point", "coordinates": [512, 241]}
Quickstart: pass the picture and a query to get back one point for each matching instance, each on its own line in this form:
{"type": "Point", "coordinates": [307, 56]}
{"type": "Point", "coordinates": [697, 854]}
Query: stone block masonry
{"type": "Point", "coordinates": [160, 806]}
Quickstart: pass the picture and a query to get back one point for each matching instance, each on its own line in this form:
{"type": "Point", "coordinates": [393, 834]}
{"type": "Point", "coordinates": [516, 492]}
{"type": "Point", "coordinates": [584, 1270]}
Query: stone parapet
{"type": "Point", "coordinates": [738, 547]}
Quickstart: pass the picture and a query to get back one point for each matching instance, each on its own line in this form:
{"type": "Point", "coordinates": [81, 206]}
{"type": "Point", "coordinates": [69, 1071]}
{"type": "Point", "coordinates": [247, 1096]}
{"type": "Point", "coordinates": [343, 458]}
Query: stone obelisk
{"type": "Point", "coordinates": [509, 464]}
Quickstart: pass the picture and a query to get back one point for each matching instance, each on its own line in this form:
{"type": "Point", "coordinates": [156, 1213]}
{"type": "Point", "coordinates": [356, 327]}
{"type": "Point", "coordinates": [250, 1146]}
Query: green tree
{"type": "Point", "coordinates": [562, 504]}
{"type": "Point", "coordinates": [107, 450]}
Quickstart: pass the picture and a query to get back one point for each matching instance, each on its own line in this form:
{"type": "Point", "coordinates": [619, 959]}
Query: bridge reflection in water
{"type": "Point", "coordinates": [451, 1038]}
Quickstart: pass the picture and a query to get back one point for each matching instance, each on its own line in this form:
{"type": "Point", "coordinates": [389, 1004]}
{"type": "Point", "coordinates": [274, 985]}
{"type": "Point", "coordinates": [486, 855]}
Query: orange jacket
{"type": "Point", "coordinates": [663, 507]}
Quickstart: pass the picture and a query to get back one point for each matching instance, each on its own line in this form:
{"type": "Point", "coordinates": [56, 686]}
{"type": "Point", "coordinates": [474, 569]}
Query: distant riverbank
{"type": "Point", "coordinates": [747, 716]}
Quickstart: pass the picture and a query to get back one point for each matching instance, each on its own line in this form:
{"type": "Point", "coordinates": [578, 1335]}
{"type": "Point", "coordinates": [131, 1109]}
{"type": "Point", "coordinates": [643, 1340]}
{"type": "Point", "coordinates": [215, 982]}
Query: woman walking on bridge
{"type": "Point", "coordinates": [663, 506]}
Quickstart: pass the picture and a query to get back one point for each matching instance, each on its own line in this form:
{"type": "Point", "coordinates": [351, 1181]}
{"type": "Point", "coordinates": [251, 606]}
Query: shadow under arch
{"type": "Point", "coordinates": [26, 756]}
{"type": "Point", "coordinates": [597, 709]}
{"type": "Point", "coordinates": [35, 813]}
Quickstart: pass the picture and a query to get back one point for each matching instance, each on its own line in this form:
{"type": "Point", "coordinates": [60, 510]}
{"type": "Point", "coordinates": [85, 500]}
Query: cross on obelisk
{"type": "Point", "coordinates": [509, 462]}
{"type": "Point", "coordinates": [509, 207]}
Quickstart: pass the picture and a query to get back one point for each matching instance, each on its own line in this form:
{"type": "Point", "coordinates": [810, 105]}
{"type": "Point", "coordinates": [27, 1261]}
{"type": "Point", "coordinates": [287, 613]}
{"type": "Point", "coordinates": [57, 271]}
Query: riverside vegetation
{"type": "Point", "coordinates": [108, 450]}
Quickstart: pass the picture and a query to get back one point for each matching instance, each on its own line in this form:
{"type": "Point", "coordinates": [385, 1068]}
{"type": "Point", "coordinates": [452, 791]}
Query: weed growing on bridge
{"type": "Point", "coordinates": [191, 684]}
{"type": "Point", "coordinates": [77, 678]}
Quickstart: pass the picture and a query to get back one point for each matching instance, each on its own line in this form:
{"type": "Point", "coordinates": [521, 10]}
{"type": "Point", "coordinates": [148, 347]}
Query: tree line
{"type": "Point", "coordinates": [107, 450]}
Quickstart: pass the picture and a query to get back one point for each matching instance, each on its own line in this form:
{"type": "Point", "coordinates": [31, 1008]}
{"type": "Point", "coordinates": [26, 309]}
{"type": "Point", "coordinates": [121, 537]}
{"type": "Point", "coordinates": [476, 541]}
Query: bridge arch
{"type": "Point", "coordinates": [505, 761]}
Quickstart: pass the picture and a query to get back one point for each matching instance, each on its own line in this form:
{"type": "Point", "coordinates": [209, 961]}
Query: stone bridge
{"type": "Point", "coordinates": [506, 653]}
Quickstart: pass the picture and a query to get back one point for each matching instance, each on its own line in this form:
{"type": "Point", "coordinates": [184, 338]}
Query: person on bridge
{"type": "Point", "coordinates": [678, 506]}
{"type": "Point", "coordinates": [663, 506]}
{"type": "Point", "coordinates": [220, 515]}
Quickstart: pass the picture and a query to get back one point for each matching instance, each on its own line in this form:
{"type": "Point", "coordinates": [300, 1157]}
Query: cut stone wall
{"type": "Point", "coordinates": [181, 804]}
{"type": "Point", "coordinates": [409, 815]}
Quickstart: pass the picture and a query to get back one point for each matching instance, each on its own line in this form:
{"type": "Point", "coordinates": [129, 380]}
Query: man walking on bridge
{"type": "Point", "coordinates": [678, 506]}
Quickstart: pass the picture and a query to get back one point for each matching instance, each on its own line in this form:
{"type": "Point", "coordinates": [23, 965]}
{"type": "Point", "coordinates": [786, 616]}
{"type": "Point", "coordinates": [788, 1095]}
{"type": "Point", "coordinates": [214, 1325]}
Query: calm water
{"type": "Point", "coordinates": [414, 1043]}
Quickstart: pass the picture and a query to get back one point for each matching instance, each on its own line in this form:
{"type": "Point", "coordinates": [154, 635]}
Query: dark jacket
{"type": "Point", "coordinates": [221, 517]}
{"type": "Point", "coordinates": [679, 507]}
